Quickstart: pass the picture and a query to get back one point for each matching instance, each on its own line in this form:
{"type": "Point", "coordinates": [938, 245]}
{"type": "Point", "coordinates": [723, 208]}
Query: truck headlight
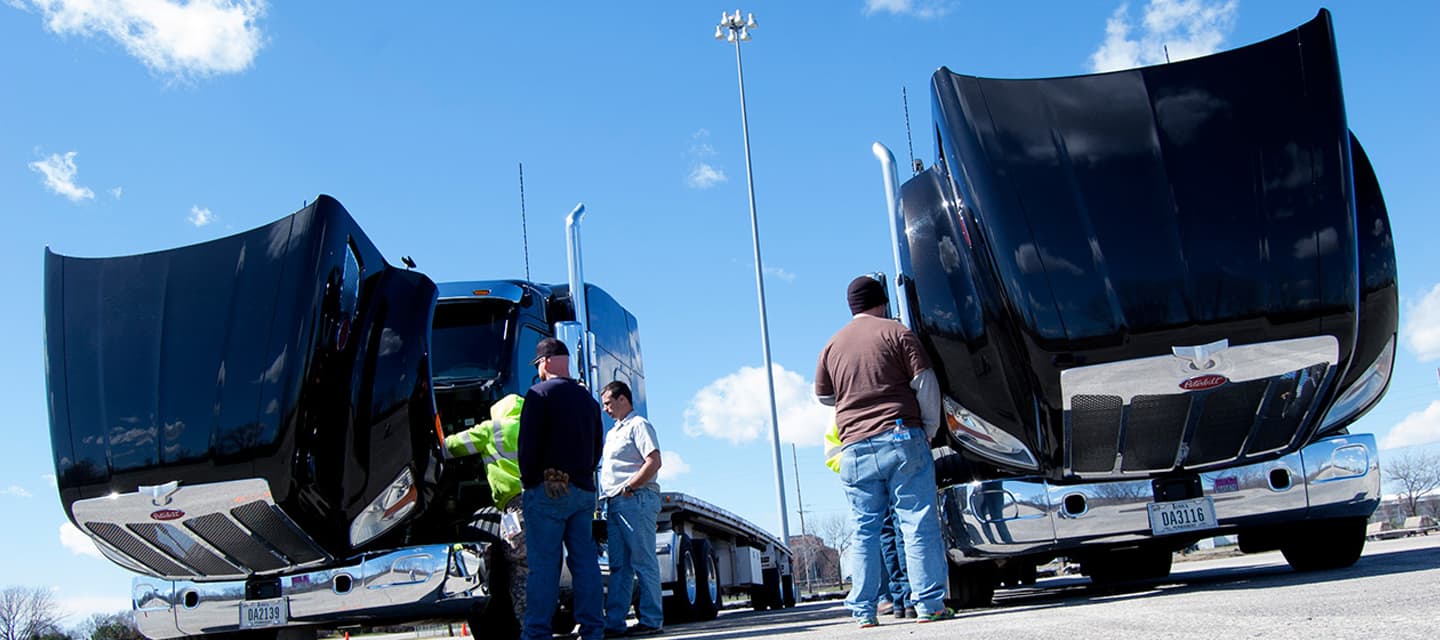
{"type": "Point", "coordinates": [387, 510]}
{"type": "Point", "coordinates": [1366, 390]}
{"type": "Point", "coordinates": [986, 439]}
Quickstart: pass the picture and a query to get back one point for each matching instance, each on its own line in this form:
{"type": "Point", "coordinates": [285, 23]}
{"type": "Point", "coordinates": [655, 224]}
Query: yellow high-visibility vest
{"type": "Point", "coordinates": [833, 447]}
{"type": "Point", "coordinates": [499, 447]}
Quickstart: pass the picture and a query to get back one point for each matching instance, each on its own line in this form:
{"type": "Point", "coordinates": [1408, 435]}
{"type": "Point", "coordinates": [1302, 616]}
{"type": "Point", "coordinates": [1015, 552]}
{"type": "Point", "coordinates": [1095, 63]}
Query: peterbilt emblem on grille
{"type": "Point", "coordinates": [167, 514]}
{"type": "Point", "coordinates": [1201, 383]}
{"type": "Point", "coordinates": [160, 494]}
{"type": "Point", "coordinates": [1201, 356]}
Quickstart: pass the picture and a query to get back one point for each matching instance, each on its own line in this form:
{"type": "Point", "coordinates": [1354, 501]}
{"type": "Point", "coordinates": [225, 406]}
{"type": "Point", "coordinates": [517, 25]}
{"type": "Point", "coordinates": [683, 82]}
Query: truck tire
{"type": "Point", "coordinates": [1127, 565]}
{"type": "Point", "coordinates": [1327, 544]}
{"type": "Point", "coordinates": [680, 604]}
{"type": "Point", "coordinates": [707, 580]}
{"type": "Point", "coordinates": [787, 588]}
{"type": "Point", "coordinates": [971, 585]}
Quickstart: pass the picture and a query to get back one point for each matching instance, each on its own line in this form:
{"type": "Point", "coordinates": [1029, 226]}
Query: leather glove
{"type": "Point", "coordinates": [557, 483]}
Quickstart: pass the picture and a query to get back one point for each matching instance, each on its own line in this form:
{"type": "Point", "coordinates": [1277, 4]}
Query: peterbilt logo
{"type": "Point", "coordinates": [1201, 383]}
{"type": "Point", "coordinates": [167, 514]}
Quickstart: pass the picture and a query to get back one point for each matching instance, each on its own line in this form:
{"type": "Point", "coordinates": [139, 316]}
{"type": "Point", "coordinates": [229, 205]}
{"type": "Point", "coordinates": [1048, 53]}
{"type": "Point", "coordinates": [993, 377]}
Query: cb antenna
{"type": "Point", "coordinates": [915, 165]}
{"type": "Point", "coordinates": [524, 231]}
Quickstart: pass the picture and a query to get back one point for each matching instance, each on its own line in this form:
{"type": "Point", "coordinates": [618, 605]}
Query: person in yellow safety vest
{"type": "Point", "coordinates": [891, 546]}
{"type": "Point", "coordinates": [496, 442]}
{"type": "Point", "coordinates": [496, 446]}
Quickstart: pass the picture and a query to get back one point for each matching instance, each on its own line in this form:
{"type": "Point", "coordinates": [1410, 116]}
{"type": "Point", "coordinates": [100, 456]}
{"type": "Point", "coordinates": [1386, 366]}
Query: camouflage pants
{"type": "Point", "coordinates": [519, 565]}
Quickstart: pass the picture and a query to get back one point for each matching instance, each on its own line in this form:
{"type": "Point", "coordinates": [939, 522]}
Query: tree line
{"type": "Point", "coordinates": [31, 613]}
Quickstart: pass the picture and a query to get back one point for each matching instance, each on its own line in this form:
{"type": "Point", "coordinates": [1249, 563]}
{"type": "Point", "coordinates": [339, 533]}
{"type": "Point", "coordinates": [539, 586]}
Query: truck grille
{"type": "Point", "coordinates": [210, 539]}
{"type": "Point", "coordinates": [1134, 417]}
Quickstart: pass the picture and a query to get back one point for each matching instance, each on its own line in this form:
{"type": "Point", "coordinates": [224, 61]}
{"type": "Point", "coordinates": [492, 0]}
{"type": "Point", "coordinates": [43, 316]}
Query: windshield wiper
{"type": "Point", "coordinates": [458, 382]}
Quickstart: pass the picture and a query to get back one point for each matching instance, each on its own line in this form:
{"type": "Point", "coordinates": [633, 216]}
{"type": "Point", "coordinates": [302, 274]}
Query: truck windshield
{"type": "Point", "coordinates": [470, 340]}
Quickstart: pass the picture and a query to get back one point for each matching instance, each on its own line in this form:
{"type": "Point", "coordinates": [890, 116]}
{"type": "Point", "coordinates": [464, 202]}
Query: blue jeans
{"type": "Point", "coordinates": [889, 472]}
{"type": "Point", "coordinates": [893, 548]}
{"type": "Point", "coordinates": [549, 522]}
{"type": "Point", "coordinates": [630, 525]}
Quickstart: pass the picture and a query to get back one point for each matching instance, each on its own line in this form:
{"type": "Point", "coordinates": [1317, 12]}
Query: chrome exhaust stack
{"type": "Point", "coordinates": [897, 231]}
{"type": "Point", "coordinates": [581, 363]}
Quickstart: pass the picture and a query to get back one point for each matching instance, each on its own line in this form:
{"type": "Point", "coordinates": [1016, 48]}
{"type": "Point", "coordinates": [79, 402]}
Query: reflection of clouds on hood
{"type": "Point", "coordinates": [1420, 331]}
{"type": "Point", "coordinates": [1031, 260]}
{"type": "Point", "coordinates": [736, 408]}
{"type": "Point", "coordinates": [1182, 114]}
{"type": "Point", "coordinates": [949, 254]}
{"type": "Point", "coordinates": [278, 241]}
{"type": "Point", "coordinates": [272, 373]}
{"type": "Point", "coordinates": [1323, 243]}
{"type": "Point", "coordinates": [390, 342]}
{"type": "Point", "coordinates": [136, 436]}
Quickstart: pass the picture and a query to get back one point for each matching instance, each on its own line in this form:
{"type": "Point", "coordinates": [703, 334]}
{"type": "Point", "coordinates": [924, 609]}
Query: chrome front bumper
{"type": "Point", "coordinates": [433, 581]}
{"type": "Point", "coordinates": [1335, 477]}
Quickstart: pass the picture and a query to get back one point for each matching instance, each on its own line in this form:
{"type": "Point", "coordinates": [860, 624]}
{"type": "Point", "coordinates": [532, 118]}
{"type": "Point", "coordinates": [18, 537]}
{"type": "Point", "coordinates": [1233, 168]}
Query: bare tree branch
{"type": "Point", "coordinates": [1414, 474]}
{"type": "Point", "coordinates": [27, 613]}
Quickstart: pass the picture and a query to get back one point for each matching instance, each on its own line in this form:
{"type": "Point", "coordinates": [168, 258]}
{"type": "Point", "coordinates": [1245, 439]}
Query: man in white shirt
{"type": "Point", "coordinates": [628, 467]}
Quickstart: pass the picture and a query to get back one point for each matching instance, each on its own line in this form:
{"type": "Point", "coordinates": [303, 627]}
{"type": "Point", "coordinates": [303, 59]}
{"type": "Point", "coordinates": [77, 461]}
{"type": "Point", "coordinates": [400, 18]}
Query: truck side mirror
{"type": "Point", "coordinates": [571, 333]}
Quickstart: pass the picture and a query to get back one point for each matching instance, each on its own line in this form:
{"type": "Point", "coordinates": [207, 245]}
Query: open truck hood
{"type": "Point", "coordinates": [1089, 220]}
{"type": "Point", "coordinates": [290, 353]}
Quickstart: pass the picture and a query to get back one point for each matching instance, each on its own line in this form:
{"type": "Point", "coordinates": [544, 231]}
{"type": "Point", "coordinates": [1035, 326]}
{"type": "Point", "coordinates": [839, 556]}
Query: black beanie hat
{"type": "Point", "coordinates": [864, 293]}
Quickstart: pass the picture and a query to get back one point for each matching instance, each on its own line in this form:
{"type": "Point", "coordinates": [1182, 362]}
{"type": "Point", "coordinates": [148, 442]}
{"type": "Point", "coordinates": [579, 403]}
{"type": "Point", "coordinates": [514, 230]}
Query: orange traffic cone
{"type": "Point", "coordinates": [347, 635]}
{"type": "Point", "coordinates": [464, 629]}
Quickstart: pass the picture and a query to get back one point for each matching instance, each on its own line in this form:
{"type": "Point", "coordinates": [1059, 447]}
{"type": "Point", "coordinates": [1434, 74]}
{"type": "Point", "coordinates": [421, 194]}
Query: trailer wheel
{"type": "Point", "coordinates": [680, 605]}
{"type": "Point", "coordinates": [707, 578]}
{"type": "Point", "coordinates": [972, 584]}
{"type": "Point", "coordinates": [1328, 544]}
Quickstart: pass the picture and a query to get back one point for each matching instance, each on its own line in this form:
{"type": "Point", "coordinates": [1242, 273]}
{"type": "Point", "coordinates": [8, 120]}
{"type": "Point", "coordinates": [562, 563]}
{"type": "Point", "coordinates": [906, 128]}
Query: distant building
{"type": "Point", "coordinates": [815, 562]}
{"type": "Point", "coordinates": [1394, 510]}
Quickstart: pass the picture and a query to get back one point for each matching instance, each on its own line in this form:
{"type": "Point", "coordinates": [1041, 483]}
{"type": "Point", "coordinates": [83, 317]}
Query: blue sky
{"type": "Point", "coordinates": [130, 126]}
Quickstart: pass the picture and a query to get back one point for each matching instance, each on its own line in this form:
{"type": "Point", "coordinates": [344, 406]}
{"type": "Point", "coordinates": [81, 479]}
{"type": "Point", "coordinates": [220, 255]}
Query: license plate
{"type": "Point", "coordinates": [1182, 515]}
{"type": "Point", "coordinates": [262, 613]}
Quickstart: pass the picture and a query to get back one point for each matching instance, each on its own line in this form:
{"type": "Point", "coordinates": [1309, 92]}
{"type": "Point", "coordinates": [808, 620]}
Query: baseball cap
{"type": "Point", "coordinates": [549, 347]}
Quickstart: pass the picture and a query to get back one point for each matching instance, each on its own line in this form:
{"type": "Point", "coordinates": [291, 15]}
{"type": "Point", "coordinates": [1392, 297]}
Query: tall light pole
{"type": "Point", "coordinates": [733, 29]}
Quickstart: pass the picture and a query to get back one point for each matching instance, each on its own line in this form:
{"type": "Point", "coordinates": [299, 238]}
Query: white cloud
{"type": "Point", "coordinates": [15, 490]}
{"type": "Point", "coordinates": [923, 9]}
{"type": "Point", "coordinates": [50, 478]}
{"type": "Point", "coordinates": [77, 608]}
{"type": "Point", "coordinates": [117, 191]}
{"type": "Point", "coordinates": [672, 465]}
{"type": "Point", "coordinates": [77, 542]}
{"type": "Point", "coordinates": [779, 273]}
{"type": "Point", "coordinates": [59, 172]}
{"type": "Point", "coordinates": [191, 38]}
{"type": "Point", "coordinates": [704, 176]}
{"type": "Point", "coordinates": [1421, 427]}
{"type": "Point", "coordinates": [736, 408]}
{"type": "Point", "coordinates": [200, 216]}
{"type": "Point", "coordinates": [1421, 329]}
{"type": "Point", "coordinates": [1188, 28]}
